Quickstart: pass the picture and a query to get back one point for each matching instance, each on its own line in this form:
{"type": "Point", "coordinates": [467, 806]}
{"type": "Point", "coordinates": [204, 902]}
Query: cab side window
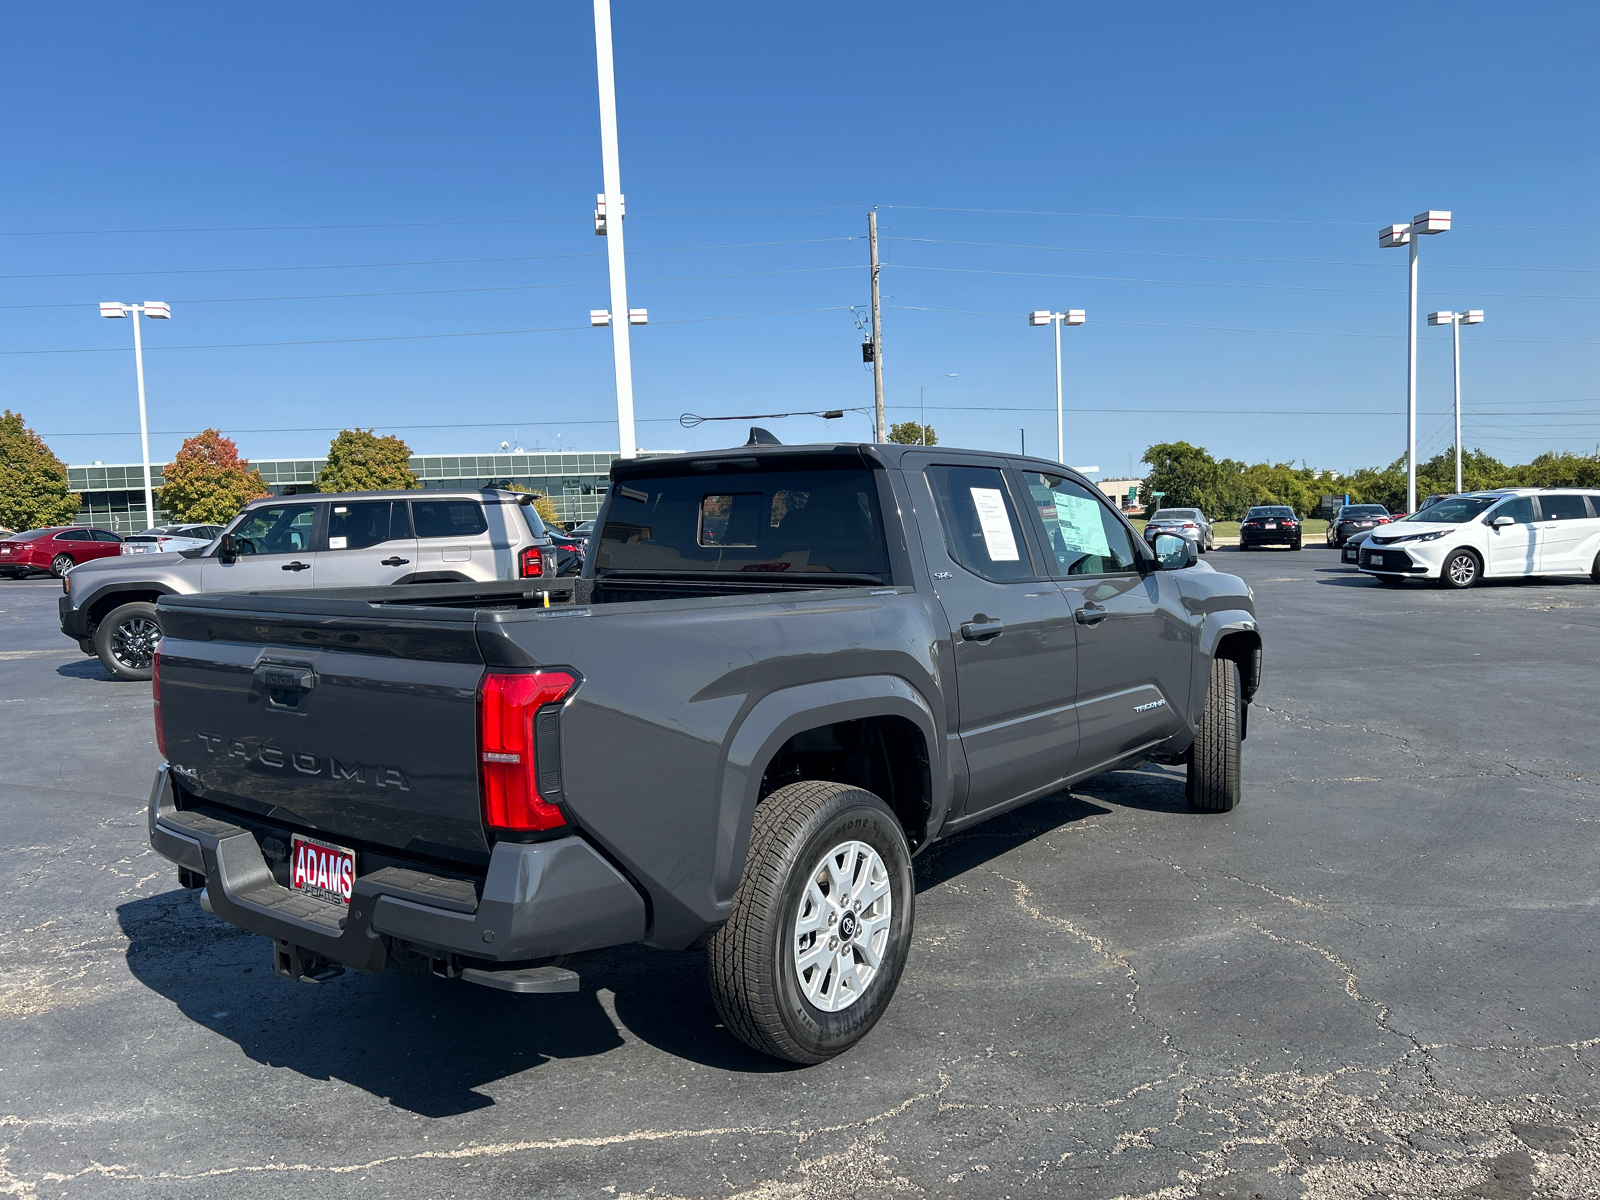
{"type": "Point", "coordinates": [1519, 510]}
{"type": "Point", "coordinates": [1084, 536]}
{"type": "Point", "coordinates": [981, 529]}
{"type": "Point", "coordinates": [280, 529]}
{"type": "Point", "coordinates": [359, 525]}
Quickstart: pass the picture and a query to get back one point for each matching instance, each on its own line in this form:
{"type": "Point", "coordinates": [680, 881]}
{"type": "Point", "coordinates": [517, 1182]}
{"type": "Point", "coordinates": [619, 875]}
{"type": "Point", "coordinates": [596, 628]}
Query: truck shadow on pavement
{"type": "Point", "coordinates": [87, 668]}
{"type": "Point", "coordinates": [430, 1046]}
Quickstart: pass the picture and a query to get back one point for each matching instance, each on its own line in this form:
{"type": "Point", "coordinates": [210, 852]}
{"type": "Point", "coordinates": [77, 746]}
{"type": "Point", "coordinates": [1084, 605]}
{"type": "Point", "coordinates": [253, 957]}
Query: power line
{"type": "Point", "coordinates": [1025, 212]}
{"type": "Point", "coordinates": [518, 287]}
{"type": "Point", "coordinates": [1247, 329]}
{"type": "Point", "coordinates": [410, 224]}
{"type": "Point", "coordinates": [420, 337]}
{"type": "Point", "coordinates": [1313, 262]}
{"type": "Point", "coordinates": [430, 262]}
{"type": "Point", "coordinates": [1282, 287]}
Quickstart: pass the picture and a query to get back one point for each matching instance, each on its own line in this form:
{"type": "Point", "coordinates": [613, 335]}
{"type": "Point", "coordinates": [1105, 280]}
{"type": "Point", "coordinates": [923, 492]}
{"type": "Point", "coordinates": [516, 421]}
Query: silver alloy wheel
{"type": "Point", "coordinates": [61, 564]}
{"type": "Point", "coordinates": [841, 930]}
{"type": "Point", "coordinates": [133, 642]}
{"type": "Point", "coordinates": [1463, 569]}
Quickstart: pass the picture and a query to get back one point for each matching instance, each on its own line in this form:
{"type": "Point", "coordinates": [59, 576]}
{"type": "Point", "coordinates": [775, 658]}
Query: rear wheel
{"type": "Point", "coordinates": [1461, 570]}
{"type": "Point", "coordinates": [1594, 571]}
{"type": "Point", "coordinates": [1213, 784]}
{"type": "Point", "coordinates": [126, 640]}
{"type": "Point", "coordinates": [821, 923]}
{"type": "Point", "coordinates": [1296, 544]}
{"type": "Point", "coordinates": [61, 564]}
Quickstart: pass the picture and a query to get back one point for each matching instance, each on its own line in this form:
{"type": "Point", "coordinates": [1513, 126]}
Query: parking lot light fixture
{"type": "Point", "coordinates": [1043, 316]}
{"type": "Point", "coordinates": [1456, 320]}
{"type": "Point", "coordinates": [922, 408]}
{"type": "Point", "coordinates": [156, 310]}
{"type": "Point", "coordinates": [1392, 237]}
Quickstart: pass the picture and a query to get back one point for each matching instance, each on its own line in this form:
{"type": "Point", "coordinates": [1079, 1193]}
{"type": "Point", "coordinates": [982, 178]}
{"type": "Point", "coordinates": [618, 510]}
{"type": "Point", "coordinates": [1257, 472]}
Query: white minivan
{"type": "Point", "coordinates": [1490, 535]}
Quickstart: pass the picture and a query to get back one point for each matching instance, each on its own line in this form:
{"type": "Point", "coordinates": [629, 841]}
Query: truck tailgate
{"type": "Point", "coordinates": [330, 717]}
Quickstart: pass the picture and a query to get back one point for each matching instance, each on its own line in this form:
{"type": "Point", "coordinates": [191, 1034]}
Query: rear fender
{"type": "Point", "coordinates": [775, 719]}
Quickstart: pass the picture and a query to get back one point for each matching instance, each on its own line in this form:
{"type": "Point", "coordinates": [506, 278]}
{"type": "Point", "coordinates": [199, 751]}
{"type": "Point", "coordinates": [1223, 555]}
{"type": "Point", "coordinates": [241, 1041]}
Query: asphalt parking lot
{"type": "Point", "coordinates": [1377, 977]}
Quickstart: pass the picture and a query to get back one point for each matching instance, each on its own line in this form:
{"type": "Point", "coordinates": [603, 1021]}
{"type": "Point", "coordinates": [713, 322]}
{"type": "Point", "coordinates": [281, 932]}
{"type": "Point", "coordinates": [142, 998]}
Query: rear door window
{"type": "Point", "coordinates": [1563, 508]}
{"type": "Point", "coordinates": [981, 529]}
{"type": "Point", "coordinates": [448, 518]}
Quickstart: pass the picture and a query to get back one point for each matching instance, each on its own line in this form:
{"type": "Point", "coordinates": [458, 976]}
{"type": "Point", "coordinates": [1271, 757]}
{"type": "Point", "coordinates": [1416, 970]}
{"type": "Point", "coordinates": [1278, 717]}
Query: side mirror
{"type": "Point", "coordinates": [1174, 553]}
{"type": "Point", "coordinates": [1502, 522]}
{"type": "Point", "coordinates": [227, 548]}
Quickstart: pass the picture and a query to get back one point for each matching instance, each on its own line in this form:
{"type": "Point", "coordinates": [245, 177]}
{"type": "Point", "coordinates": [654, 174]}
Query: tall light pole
{"type": "Point", "coordinates": [1390, 236]}
{"type": "Point", "coordinates": [1456, 320]}
{"type": "Point", "coordinates": [1073, 316]}
{"type": "Point", "coordinates": [922, 408]}
{"type": "Point", "coordinates": [156, 310]}
{"type": "Point", "coordinates": [608, 215]}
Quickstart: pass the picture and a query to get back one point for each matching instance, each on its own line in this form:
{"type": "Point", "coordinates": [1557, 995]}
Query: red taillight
{"type": "Point", "coordinates": [155, 696]}
{"type": "Point", "coordinates": [508, 707]}
{"type": "Point", "coordinates": [532, 562]}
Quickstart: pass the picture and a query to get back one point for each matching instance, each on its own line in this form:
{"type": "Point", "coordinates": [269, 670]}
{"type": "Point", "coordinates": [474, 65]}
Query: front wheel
{"type": "Point", "coordinates": [126, 641]}
{"type": "Point", "coordinates": [821, 923]}
{"type": "Point", "coordinates": [1213, 784]}
{"type": "Point", "coordinates": [1461, 570]}
{"type": "Point", "coordinates": [61, 564]}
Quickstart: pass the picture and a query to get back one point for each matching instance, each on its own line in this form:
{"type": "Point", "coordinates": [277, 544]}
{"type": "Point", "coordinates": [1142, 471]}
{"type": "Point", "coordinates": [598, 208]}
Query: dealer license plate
{"type": "Point", "coordinates": [1272, 524]}
{"type": "Point", "coordinates": [325, 871]}
{"type": "Point", "coordinates": [1377, 560]}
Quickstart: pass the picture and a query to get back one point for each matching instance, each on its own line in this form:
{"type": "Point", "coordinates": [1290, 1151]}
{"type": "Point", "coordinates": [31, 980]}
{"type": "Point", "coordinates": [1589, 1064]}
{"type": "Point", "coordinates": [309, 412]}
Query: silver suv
{"type": "Point", "coordinates": [356, 539]}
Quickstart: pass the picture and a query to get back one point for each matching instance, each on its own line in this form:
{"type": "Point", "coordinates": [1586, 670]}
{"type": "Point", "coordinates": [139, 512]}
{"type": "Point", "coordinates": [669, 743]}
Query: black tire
{"type": "Point", "coordinates": [125, 639]}
{"type": "Point", "coordinates": [61, 564]}
{"type": "Point", "coordinates": [1594, 570]}
{"type": "Point", "coordinates": [751, 960]}
{"type": "Point", "coordinates": [1213, 784]}
{"type": "Point", "coordinates": [1461, 570]}
{"type": "Point", "coordinates": [1296, 545]}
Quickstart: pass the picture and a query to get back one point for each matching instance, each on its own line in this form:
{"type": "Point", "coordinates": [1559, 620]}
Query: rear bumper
{"type": "Point", "coordinates": [537, 901]}
{"type": "Point", "coordinates": [1270, 537]}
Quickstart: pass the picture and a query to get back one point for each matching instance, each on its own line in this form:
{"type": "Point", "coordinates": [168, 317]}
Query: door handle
{"type": "Point", "coordinates": [297, 566]}
{"type": "Point", "coordinates": [1090, 614]}
{"type": "Point", "coordinates": [394, 562]}
{"type": "Point", "coordinates": [977, 631]}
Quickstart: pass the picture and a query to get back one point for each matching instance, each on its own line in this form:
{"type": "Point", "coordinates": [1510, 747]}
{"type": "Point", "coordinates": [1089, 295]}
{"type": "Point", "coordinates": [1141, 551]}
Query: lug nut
{"type": "Point", "coordinates": [833, 943]}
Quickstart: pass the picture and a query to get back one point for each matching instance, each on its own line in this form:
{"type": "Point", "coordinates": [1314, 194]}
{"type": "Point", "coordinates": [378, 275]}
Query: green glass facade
{"type": "Point", "coordinates": [113, 496]}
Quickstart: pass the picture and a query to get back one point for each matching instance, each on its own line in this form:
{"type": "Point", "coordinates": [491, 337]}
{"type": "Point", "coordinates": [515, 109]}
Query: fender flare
{"type": "Point", "coordinates": [93, 598]}
{"type": "Point", "coordinates": [776, 718]}
{"type": "Point", "coordinates": [1217, 626]}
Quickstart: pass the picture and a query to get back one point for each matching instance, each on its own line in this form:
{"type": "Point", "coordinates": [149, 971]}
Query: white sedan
{"type": "Point", "coordinates": [166, 539]}
{"type": "Point", "coordinates": [1490, 535]}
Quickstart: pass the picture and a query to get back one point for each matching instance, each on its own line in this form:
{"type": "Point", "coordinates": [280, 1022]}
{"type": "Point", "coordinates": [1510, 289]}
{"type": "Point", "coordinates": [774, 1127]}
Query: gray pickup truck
{"type": "Point", "coordinates": [783, 672]}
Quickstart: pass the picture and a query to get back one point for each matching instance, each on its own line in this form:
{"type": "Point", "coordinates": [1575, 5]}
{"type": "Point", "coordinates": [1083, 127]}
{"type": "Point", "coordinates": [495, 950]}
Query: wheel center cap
{"type": "Point", "coordinates": [847, 926]}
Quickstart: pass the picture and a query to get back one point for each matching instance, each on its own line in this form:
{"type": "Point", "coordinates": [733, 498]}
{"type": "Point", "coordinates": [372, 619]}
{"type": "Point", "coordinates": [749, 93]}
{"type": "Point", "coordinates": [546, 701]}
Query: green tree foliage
{"type": "Point", "coordinates": [359, 461]}
{"type": "Point", "coordinates": [910, 433]}
{"type": "Point", "coordinates": [207, 482]}
{"type": "Point", "coordinates": [33, 481]}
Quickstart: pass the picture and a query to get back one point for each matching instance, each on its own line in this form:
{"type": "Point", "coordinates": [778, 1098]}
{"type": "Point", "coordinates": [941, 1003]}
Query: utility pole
{"type": "Point", "coordinates": [881, 430]}
{"type": "Point", "coordinates": [159, 310]}
{"type": "Point", "coordinates": [608, 220]}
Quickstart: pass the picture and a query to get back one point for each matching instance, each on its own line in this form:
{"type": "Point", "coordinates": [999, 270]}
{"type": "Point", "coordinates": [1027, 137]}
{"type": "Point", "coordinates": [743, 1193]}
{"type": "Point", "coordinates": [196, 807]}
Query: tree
{"type": "Point", "coordinates": [1187, 476]}
{"type": "Point", "coordinates": [909, 433]}
{"type": "Point", "coordinates": [207, 482]}
{"type": "Point", "coordinates": [359, 461]}
{"type": "Point", "coordinates": [33, 481]}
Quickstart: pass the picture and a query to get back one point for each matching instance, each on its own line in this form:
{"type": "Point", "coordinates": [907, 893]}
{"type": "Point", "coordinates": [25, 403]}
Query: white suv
{"type": "Point", "coordinates": [1494, 535]}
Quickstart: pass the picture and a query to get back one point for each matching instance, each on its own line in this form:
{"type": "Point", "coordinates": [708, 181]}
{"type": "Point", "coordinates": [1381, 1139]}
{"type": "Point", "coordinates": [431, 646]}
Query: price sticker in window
{"type": "Point", "coordinates": [995, 524]}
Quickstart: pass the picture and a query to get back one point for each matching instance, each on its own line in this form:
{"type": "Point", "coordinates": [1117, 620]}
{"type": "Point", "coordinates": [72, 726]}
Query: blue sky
{"type": "Point", "coordinates": [1238, 159]}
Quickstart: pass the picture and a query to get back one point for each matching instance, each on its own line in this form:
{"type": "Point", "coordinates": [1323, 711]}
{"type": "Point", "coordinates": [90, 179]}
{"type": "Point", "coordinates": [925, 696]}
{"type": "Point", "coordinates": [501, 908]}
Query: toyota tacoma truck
{"type": "Point", "coordinates": [782, 673]}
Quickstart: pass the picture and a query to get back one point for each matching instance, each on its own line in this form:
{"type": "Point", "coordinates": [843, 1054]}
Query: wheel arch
{"type": "Point", "coordinates": [101, 604]}
{"type": "Point", "coordinates": [881, 723]}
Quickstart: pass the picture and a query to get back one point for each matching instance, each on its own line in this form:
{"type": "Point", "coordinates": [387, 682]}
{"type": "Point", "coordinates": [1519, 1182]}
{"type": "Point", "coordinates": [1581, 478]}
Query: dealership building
{"type": "Point", "coordinates": [113, 494]}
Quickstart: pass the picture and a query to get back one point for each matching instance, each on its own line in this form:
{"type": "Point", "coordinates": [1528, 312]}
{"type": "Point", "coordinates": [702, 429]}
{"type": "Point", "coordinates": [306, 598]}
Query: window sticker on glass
{"type": "Point", "coordinates": [337, 543]}
{"type": "Point", "coordinates": [1079, 523]}
{"type": "Point", "coordinates": [341, 509]}
{"type": "Point", "coordinates": [996, 527]}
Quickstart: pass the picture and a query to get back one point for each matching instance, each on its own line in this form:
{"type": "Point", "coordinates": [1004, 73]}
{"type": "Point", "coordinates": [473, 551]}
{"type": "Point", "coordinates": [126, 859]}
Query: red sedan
{"type": "Point", "coordinates": [56, 549]}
